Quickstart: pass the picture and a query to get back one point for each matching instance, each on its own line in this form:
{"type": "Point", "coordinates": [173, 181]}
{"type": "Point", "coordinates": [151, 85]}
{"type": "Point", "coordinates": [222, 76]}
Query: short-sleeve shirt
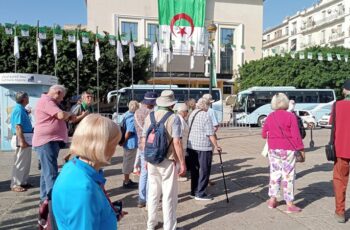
{"type": "Point", "coordinates": [131, 143]}
{"type": "Point", "coordinates": [47, 126]}
{"type": "Point", "coordinates": [19, 116]}
{"type": "Point", "coordinates": [212, 116]}
{"type": "Point", "coordinates": [78, 200]}
{"type": "Point", "coordinates": [172, 125]}
{"type": "Point", "coordinates": [140, 116]}
{"type": "Point", "coordinates": [201, 129]}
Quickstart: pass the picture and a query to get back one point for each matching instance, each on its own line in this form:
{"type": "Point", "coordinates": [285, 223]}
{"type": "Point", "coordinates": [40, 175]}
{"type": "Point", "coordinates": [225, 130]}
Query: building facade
{"type": "Point", "coordinates": [238, 22]}
{"type": "Point", "coordinates": [326, 23]}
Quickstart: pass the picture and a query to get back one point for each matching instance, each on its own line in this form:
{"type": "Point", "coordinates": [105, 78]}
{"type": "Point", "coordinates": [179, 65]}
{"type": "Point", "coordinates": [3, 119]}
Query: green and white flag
{"type": "Point", "coordinates": [346, 58]}
{"type": "Point", "coordinates": [338, 57]}
{"type": "Point", "coordinates": [111, 40]}
{"type": "Point", "coordinates": [25, 30]}
{"type": "Point", "coordinates": [42, 32]}
{"type": "Point", "coordinates": [120, 48]}
{"type": "Point", "coordinates": [39, 47]}
{"type": "Point", "coordinates": [80, 55]}
{"type": "Point", "coordinates": [301, 55]}
{"type": "Point", "coordinates": [253, 48]}
{"type": "Point", "coordinates": [329, 57]}
{"type": "Point", "coordinates": [320, 57]}
{"type": "Point", "coordinates": [192, 57]}
{"type": "Point", "coordinates": [97, 47]}
{"type": "Point", "coordinates": [131, 49]}
{"type": "Point", "coordinates": [16, 47]}
{"type": "Point", "coordinates": [55, 52]}
{"type": "Point", "coordinates": [213, 71]}
{"type": "Point", "coordinates": [233, 47]}
{"type": "Point", "coordinates": [283, 54]}
{"type": "Point", "coordinates": [8, 29]}
{"type": "Point", "coordinates": [222, 48]}
{"type": "Point", "coordinates": [292, 54]}
{"type": "Point", "coordinates": [242, 49]}
{"type": "Point", "coordinates": [309, 55]}
{"type": "Point", "coordinates": [171, 50]}
{"type": "Point", "coordinates": [71, 36]}
{"type": "Point", "coordinates": [57, 31]}
{"type": "Point", "coordinates": [155, 50]}
{"type": "Point", "coordinates": [185, 21]}
{"type": "Point", "coordinates": [85, 37]}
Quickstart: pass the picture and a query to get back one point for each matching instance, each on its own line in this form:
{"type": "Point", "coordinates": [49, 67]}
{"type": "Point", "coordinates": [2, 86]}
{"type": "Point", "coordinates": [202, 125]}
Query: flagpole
{"type": "Point", "coordinates": [189, 83]}
{"type": "Point", "coordinates": [171, 82]}
{"type": "Point", "coordinates": [37, 56]}
{"type": "Point", "coordinates": [154, 73]}
{"type": "Point", "coordinates": [98, 77]}
{"type": "Point", "coordinates": [117, 102]}
{"type": "Point", "coordinates": [132, 80]}
{"type": "Point", "coordinates": [77, 35]}
{"type": "Point", "coordinates": [14, 44]}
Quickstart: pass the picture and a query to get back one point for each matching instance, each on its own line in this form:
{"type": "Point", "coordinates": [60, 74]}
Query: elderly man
{"type": "Point", "coordinates": [50, 134]}
{"type": "Point", "coordinates": [201, 141]}
{"type": "Point", "coordinates": [162, 177]}
{"type": "Point", "coordinates": [211, 112]}
{"type": "Point", "coordinates": [21, 126]}
{"type": "Point", "coordinates": [147, 105]}
{"type": "Point", "coordinates": [342, 149]}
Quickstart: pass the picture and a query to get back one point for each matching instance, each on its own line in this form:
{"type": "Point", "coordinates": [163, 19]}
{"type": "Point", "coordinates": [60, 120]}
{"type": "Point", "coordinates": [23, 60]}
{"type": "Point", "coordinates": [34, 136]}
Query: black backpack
{"type": "Point", "coordinates": [157, 144]}
{"type": "Point", "coordinates": [301, 127]}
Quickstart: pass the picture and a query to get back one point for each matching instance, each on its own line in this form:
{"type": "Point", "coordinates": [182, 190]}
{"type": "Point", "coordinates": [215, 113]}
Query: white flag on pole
{"type": "Point", "coordinates": [16, 47]}
{"type": "Point", "coordinates": [80, 55]}
{"type": "Point", "coordinates": [346, 57]}
{"type": "Point", "coordinates": [97, 51]}
{"type": "Point", "coordinates": [338, 57]}
{"type": "Point", "coordinates": [131, 49]}
{"type": "Point", "coordinates": [192, 57]}
{"type": "Point", "coordinates": [329, 57]}
{"type": "Point", "coordinates": [40, 46]}
{"type": "Point", "coordinates": [154, 51]}
{"type": "Point", "coordinates": [55, 47]}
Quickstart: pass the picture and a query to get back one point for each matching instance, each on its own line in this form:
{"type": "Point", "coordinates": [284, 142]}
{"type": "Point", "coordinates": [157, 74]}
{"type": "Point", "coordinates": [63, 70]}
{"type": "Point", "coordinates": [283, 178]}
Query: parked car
{"type": "Point", "coordinates": [324, 122]}
{"type": "Point", "coordinates": [308, 118]}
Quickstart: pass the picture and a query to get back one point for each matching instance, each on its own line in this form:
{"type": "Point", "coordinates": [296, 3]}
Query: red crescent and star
{"type": "Point", "coordinates": [182, 31]}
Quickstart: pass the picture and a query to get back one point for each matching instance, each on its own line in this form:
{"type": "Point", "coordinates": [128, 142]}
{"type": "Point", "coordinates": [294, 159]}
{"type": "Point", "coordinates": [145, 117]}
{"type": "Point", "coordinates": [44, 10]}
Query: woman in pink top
{"type": "Point", "coordinates": [283, 138]}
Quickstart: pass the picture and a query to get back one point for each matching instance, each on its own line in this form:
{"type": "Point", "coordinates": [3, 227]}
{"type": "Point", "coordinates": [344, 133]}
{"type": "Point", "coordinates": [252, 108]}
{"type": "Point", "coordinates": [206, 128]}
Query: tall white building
{"type": "Point", "coordinates": [326, 23]}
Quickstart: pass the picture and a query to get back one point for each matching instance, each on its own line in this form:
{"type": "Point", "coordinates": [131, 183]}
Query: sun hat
{"type": "Point", "coordinates": [208, 97]}
{"type": "Point", "coordinates": [150, 98]}
{"type": "Point", "coordinates": [166, 99]}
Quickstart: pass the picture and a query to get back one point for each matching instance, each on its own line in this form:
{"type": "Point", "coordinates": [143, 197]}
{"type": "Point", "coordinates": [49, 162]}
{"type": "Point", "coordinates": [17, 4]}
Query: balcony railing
{"type": "Point", "coordinates": [275, 39]}
{"type": "Point", "coordinates": [322, 41]}
{"type": "Point", "coordinates": [294, 32]}
{"type": "Point", "coordinates": [336, 37]}
{"type": "Point", "coordinates": [310, 24]}
{"type": "Point", "coordinates": [306, 45]}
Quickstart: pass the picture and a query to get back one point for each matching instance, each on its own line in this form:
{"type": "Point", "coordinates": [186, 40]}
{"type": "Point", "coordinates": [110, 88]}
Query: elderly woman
{"type": "Point", "coordinates": [201, 140]}
{"type": "Point", "coordinates": [78, 197]}
{"type": "Point", "coordinates": [130, 145]}
{"type": "Point", "coordinates": [284, 140]}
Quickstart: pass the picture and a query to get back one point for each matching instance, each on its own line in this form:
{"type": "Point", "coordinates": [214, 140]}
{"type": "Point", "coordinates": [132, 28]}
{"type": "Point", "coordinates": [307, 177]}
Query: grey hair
{"type": "Point", "coordinates": [56, 88]}
{"type": "Point", "coordinates": [20, 96]}
{"type": "Point", "coordinates": [133, 106]}
{"type": "Point", "coordinates": [202, 104]}
{"type": "Point", "coordinates": [346, 92]}
{"type": "Point", "coordinates": [279, 101]}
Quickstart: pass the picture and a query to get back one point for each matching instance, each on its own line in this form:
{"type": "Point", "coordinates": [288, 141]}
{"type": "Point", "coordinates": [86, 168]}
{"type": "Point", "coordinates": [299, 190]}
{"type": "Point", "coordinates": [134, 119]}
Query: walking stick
{"type": "Point", "coordinates": [223, 175]}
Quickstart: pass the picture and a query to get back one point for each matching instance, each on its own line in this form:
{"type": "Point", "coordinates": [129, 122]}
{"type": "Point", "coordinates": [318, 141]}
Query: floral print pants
{"type": "Point", "coordinates": [282, 173]}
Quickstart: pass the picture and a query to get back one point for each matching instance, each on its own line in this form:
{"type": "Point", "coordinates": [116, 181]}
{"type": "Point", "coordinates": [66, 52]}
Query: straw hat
{"type": "Point", "coordinates": [166, 99]}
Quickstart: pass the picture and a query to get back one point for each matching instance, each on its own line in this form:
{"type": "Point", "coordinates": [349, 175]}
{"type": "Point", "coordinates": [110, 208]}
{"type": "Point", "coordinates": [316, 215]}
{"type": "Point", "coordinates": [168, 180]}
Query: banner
{"type": "Point", "coordinates": [184, 20]}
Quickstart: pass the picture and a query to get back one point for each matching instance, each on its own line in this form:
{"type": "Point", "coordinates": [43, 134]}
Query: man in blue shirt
{"type": "Point", "coordinates": [130, 145]}
{"type": "Point", "coordinates": [21, 127]}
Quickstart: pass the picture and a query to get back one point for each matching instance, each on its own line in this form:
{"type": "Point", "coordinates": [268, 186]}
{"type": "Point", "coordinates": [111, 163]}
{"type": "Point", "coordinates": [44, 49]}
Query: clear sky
{"type": "Point", "coordinates": [62, 12]}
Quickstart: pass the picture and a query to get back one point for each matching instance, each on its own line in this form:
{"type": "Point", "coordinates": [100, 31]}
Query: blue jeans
{"type": "Point", "coordinates": [143, 185]}
{"type": "Point", "coordinates": [48, 154]}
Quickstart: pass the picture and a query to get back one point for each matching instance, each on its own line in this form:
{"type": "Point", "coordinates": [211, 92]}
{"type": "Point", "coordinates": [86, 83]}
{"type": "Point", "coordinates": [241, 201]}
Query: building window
{"type": "Point", "coordinates": [324, 15]}
{"type": "Point", "coordinates": [268, 37]}
{"type": "Point", "coordinates": [227, 89]}
{"type": "Point", "coordinates": [287, 31]}
{"type": "Point", "coordinates": [323, 36]}
{"type": "Point", "coordinates": [152, 32]}
{"type": "Point", "coordinates": [128, 27]}
{"type": "Point", "coordinates": [226, 53]}
{"type": "Point", "coordinates": [293, 45]}
{"type": "Point", "coordinates": [309, 39]}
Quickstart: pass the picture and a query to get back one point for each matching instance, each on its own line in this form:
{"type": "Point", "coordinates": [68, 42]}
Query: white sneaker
{"type": "Point", "coordinates": [204, 198]}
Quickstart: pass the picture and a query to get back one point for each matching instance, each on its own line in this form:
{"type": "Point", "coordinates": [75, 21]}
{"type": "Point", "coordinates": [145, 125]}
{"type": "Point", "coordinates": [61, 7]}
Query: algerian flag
{"type": "Point", "coordinates": [329, 57]}
{"type": "Point", "coordinates": [55, 48]}
{"type": "Point", "coordinates": [242, 49]}
{"type": "Point", "coordinates": [131, 49]}
{"type": "Point", "coordinates": [155, 50]}
{"type": "Point", "coordinates": [120, 48]}
{"type": "Point", "coordinates": [124, 39]}
{"type": "Point", "coordinates": [71, 36]}
{"type": "Point", "coordinates": [185, 21]}
{"type": "Point", "coordinates": [80, 55]}
{"type": "Point", "coordinates": [97, 49]}
{"type": "Point", "coordinates": [192, 57]}
{"type": "Point", "coordinates": [346, 57]}
{"type": "Point", "coordinates": [253, 48]}
{"type": "Point", "coordinates": [25, 30]}
{"type": "Point", "coordinates": [301, 55]}
{"type": "Point", "coordinates": [8, 29]}
{"type": "Point", "coordinates": [57, 33]}
{"type": "Point", "coordinates": [222, 48]}
{"type": "Point", "coordinates": [309, 55]}
{"type": "Point", "coordinates": [85, 37]}
{"type": "Point", "coordinates": [233, 47]}
{"type": "Point", "coordinates": [292, 54]}
{"type": "Point", "coordinates": [170, 50]}
{"type": "Point", "coordinates": [213, 70]}
{"type": "Point", "coordinates": [16, 47]}
{"type": "Point", "coordinates": [111, 40]}
{"type": "Point", "coordinates": [320, 57]}
{"type": "Point", "coordinates": [338, 57]}
{"type": "Point", "coordinates": [39, 47]}
{"type": "Point", "coordinates": [42, 32]}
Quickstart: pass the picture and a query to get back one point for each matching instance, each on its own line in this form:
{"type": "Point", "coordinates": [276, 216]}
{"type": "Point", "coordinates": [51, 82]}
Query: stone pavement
{"type": "Point", "coordinates": [247, 180]}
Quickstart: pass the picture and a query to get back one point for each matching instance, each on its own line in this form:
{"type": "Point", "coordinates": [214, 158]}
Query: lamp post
{"type": "Point", "coordinates": [211, 30]}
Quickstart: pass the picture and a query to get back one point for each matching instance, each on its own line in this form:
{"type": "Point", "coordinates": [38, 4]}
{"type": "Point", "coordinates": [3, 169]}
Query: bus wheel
{"type": "Point", "coordinates": [260, 120]}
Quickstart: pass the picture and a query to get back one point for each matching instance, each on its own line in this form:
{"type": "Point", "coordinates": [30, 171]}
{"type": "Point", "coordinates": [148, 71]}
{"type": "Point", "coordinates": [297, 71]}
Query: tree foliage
{"type": "Point", "coordinates": [67, 61]}
{"type": "Point", "coordinates": [286, 71]}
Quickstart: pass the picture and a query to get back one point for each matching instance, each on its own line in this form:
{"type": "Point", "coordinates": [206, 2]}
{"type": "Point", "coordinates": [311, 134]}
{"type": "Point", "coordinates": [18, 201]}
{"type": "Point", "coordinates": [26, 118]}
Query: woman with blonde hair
{"type": "Point", "coordinates": [79, 200]}
{"type": "Point", "coordinates": [284, 140]}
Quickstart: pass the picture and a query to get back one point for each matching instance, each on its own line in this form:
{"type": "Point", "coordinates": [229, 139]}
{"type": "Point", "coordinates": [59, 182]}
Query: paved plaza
{"type": "Point", "coordinates": [247, 180]}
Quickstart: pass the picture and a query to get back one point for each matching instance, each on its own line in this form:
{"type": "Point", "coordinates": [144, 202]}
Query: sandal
{"type": "Point", "coordinates": [18, 189]}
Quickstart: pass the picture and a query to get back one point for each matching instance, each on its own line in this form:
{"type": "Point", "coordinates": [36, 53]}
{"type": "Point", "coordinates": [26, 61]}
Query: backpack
{"type": "Point", "coordinates": [123, 129]}
{"type": "Point", "coordinates": [157, 145]}
{"type": "Point", "coordinates": [301, 127]}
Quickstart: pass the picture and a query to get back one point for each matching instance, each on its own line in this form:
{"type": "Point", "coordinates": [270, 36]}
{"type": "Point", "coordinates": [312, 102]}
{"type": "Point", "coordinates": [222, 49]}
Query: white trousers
{"type": "Point", "coordinates": [21, 167]}
{"type": "Point", "coordinates": [162, 179]}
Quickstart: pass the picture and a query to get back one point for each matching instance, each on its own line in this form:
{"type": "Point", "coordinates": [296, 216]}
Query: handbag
{"type": "Point", "coordinates": [299, 156]}
{"type": "Point", "coordinates": [330, 148]}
